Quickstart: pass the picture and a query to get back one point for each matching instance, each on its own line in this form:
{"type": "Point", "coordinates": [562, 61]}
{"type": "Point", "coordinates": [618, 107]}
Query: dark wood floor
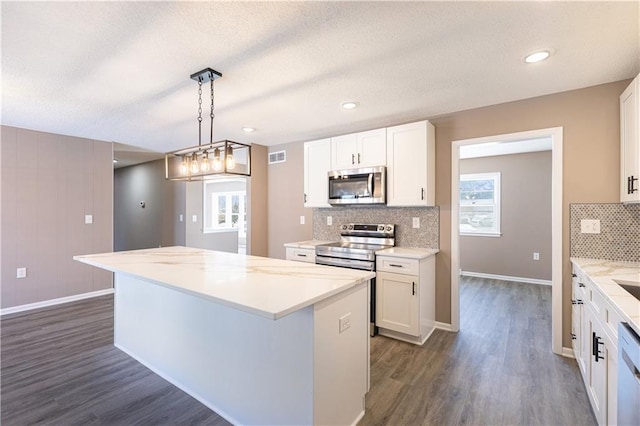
{"type": "Point", "coordinates": [59, 366]}
{"type": "Point", "coordinates": [498, 370]}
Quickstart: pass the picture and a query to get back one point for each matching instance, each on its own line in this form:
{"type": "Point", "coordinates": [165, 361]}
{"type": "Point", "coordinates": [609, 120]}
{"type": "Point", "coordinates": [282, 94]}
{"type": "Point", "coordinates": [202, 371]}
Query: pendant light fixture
{"type": "Point", "coordinates": [213, 159]}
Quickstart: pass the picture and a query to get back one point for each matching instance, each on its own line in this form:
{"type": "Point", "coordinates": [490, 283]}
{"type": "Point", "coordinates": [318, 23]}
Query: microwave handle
{"type": "Point", "coordinates": [371, 184]}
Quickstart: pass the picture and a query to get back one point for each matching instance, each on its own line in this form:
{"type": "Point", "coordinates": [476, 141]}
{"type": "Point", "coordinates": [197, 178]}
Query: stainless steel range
{"type": "Point", "coordinates": [357, 250]}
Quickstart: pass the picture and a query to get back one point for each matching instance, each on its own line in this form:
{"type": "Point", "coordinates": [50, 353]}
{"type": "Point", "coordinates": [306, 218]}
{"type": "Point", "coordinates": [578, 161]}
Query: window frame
{"type": "Point", "coordinates": [497, 207]}
{"type": "Point", "coordinates": [210, 200]}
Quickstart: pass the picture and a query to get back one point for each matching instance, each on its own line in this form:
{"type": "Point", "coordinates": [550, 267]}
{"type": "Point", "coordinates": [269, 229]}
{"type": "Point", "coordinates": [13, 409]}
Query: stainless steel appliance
{"type": "Point", "coordinates": [628, 376]}
{"type": "Point", "coordinates": [357, 250]}
{"type": "Point", "coordinates": [358, 186]}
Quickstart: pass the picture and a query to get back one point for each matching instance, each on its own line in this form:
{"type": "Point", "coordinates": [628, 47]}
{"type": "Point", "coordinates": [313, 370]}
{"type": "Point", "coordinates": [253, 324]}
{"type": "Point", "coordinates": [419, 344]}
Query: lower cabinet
{"type": "Point", "coordinates": [301, 254]}
{"type": "Point", "coordinates": [595, 344]}
{"type": "Point", "coordinates": [405, 298]}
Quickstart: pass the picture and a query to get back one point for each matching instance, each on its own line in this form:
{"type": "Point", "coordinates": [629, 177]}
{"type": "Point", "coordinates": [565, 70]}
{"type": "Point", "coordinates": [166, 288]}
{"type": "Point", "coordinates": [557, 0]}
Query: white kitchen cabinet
{"type": "Point", "coordinates": [301, 254]}
{"type": "Point", "coordinates": [317, 162]}
{"type": "Point", "coordinates": [364, 149]}
{"type": "Point", "coordinates": [411, 165]}
{"type": "Point", "coordinates": [630, 143]}
{"type": "Point", "coordinates": [597, 346]}
{"type": "Point", "coordinates": [405, 297]}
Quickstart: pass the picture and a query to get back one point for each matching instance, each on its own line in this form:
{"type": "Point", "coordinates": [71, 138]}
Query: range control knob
{"type": "Point", "coordinates": [380, 228]}
{"type": "Point", "coordinates": [350, 227]}
{"type": "Point", "coordinates": [344, 227]}
{"type": "Point", "coordinates": [389, 228]}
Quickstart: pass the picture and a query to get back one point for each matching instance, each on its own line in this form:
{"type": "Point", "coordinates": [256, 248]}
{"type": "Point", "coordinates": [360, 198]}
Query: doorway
{"type": "Point", "coordinates": [503, 141]}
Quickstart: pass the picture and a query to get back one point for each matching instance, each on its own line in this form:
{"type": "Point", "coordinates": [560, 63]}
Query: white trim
{"type": "Point", "coordinates": [481, 234]}
{"type": "Point", "coordinates": [443, 326]}
{"type": "Point", "coordinates": [52, 302]}
{"type": "Point", "coordinates": [416, 340]}
{"type": "Point", "coordinates": [505, 278]}
{"type": "Point", "coordinates": [568, 353]}
{"type": "Point", "coordinates": [556, 134]}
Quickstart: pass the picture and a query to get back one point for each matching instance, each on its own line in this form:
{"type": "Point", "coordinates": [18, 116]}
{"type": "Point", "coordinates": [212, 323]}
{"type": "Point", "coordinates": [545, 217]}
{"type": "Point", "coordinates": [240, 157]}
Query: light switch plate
{"type": "Point", "coordinates": [21, 273]}
{"type": "Point", "coordinates": [194, 218]}
{"type": "Point", "coordinates": [329, 220]}
{"type": "Point", "coordinates": [88, 219]}
{"type": "Point", "coordinates": [181, 218]}
{"type": "Point", "coordinates": [301, 220]}
{"type": "Point", "coordinates": [536, 255]}
{"type": "Point", "coordinates": [416, 222]}
{"type": "Point", "coordinates": [590, 226]}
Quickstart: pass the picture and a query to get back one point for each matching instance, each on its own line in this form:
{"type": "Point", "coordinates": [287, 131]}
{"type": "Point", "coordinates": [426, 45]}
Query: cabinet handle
{"type": "Point", "coordinates": [596, 347]}
{"type": "Point", "coordinates": [305, 198]}
{"type": "Point", "coordinates": [422, 193]}
{"type": "Point", "coordinates": [395, 266]}
{"type": "Point", "coordinates": [630, 186]}
{"type": "Point", "coordinates": [580, 284]}
{"type": "Point", "coordinates": [574, 275]}
{"type": "Point", "coordinates": [301, 255]}
{"type": "Point", "coordinates": [414, 288]}
{"type": "Point", "coordinates": [577, 302]}
{"type": "Point", "coordinates": [573, 336]}
{"type": "Point", "coordinates": [353, 159]}
{"type": "Point", "coordinates": [358, 158]}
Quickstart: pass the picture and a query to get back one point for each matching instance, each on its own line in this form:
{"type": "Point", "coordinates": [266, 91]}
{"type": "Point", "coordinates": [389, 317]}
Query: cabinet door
{"type": "Point", "coordinates": [372, 148]}
{"type": "Point", "coordinates": [397, 302]}
{"type": "Point", "coordinates": [411, 165]}
{"type": "Point", "coordinates": [317, 158]}
{"type": "Point", "coordinates": [597, 385]}
{"type": "Point", "coordinates": [630, 143]}
{"type": "Point", "coordinates": [344, 150]}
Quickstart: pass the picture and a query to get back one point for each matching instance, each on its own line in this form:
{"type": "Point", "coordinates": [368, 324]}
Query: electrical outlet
{"type": "Point", "coordinates": [181, 218]}
{"type": "Point", "coordinates": [536, 255]}
{"type": "Point", "coordinates": [88, 219]}
{"type": "Point", "coordinates": [21, 273]}
{"type": "Point", "coordinates": [329, 221]}
{"type": "Point", "coordinates": [345, 322]}
{"type": "Point", "coordinates": [416, 222]}
{"type": "Point", "coordinates": [590, 226]}
{"type": "Point", "coordinates": [302, 220]}
{"type": "Point", "coordinates": [194, 218]}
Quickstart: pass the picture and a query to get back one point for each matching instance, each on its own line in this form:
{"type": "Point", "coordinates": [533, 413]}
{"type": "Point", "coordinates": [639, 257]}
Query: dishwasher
{"type": "Point", "coordinates": [628, 376]}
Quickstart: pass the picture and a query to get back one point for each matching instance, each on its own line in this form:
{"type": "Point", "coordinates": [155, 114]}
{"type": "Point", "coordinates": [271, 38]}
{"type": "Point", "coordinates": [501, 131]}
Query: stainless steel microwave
{"type": "Point", "coordinates": [358, 186]}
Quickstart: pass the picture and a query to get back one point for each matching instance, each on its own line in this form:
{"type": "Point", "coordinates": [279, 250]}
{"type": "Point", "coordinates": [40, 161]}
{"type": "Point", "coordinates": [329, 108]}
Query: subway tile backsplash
{"type": "Point", "coordinates": [427, 236]}
{"type": "Point", "coordinates": [619, 237]}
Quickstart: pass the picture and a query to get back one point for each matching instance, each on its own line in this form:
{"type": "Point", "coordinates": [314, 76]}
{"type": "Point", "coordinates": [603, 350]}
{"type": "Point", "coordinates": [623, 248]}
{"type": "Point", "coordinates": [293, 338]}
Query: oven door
{"type": "Point", "coordinates": [357, 186]}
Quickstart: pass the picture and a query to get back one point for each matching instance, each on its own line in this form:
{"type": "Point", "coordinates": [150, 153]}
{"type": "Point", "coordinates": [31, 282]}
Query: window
{"type": "Point", "coordinates": [225, 206]}
{"type": "Point", "coordinates": [480, 204]}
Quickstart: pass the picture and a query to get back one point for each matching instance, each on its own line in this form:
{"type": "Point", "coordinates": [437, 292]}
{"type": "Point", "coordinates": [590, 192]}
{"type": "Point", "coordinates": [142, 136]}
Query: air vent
{"type": "Point", "coordinates": [277, 157]}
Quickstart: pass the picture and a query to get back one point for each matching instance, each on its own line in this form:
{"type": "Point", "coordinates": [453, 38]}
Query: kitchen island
{"type": "Point", "coordinates": [258, 340]}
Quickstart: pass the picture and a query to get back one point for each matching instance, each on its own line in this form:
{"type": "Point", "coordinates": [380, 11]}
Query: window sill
{"type": "Point", "coordinates": [219, 231]}
{"type": "Point", "coordinates": [481, 234]}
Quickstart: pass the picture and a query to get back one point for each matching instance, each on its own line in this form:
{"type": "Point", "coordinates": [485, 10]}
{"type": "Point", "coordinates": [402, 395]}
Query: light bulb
{"type": "Point", "coordinates": [231, 163]}
{"type": "Point", "coordinates": [184, 169]}
{"type": "Point", "coordinates": [194, 164]}
{"type": "Point", "coordinates": [204, 165]}
{"type": "Point", "coordinates": [217, 164]}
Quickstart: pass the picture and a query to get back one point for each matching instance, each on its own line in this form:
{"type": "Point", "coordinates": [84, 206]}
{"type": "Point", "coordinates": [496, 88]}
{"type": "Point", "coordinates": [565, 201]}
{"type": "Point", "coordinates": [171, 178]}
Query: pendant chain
{"type": "Point", "coordinates": [212, 115]}
{"type": "Point", "coordinates": [199, 112]}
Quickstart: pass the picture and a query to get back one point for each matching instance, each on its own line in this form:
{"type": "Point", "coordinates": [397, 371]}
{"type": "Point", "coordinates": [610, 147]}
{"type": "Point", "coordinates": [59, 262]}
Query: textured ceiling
{"type": "Point", "coordinates": [119, 71]}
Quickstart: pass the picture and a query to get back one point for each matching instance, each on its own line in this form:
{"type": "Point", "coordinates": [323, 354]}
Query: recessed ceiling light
{"type": "Point", "coordinates": [349, 105]}
{"type": "Point", "coordinates": [115, 160]}
{"type": "Point", "coordinates": [248, 129]}
{"type": "Point", "coordinates": [537, 56]}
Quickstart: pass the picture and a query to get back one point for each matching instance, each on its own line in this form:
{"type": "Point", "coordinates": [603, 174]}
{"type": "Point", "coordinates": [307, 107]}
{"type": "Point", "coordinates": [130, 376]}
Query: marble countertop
{"type": "Point", "coordinates": [408, 252]}
{"type": "Point", "coordinates": [271, 288]}
{"type": "Point", "coordinates": [309, 244]}
{"type": "Point", "coordinates": [603, 273]}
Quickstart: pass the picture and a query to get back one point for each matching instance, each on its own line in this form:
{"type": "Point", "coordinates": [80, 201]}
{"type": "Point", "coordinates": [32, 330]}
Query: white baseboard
{"type": "Point", "coordinates": [567, 352]}
{"type": "Point", "coordinates": [505, 278]}
{"type": "Point", "coordinates": [443, 326]}
{"type": "Point", "coordinates": [61, 300]}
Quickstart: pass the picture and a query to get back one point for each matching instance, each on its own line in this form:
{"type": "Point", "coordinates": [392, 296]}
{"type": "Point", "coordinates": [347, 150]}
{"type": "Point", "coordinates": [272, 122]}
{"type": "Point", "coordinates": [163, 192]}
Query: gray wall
{"type": "Point", "coordinates": [525, 218]}
{"type": "Point", "coordinates": [49, 183]}
{"type": "Point", "coordinates": [157, 224]}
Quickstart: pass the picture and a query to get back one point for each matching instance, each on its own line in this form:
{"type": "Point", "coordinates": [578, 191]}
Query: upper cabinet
{"type": "Point", "coordinates": [630, 143]}
{"type": "Point", "coordinates": [365, 149]}
{"type": "Point", "coordinates": [411, 165]}
{"type": "Point", "coordinates": [317, 163]}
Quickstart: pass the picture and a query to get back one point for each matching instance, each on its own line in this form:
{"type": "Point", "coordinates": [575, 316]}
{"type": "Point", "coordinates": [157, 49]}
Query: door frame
{"type": "Point", "coordinates": [555, 133]}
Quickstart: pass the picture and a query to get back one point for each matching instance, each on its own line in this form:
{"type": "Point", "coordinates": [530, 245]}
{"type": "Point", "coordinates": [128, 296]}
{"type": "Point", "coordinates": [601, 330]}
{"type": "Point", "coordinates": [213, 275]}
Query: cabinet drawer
{"type": "Point", "coordinates": [397, 265]}
{"type": "Point", "coordinates": [301, 255]}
